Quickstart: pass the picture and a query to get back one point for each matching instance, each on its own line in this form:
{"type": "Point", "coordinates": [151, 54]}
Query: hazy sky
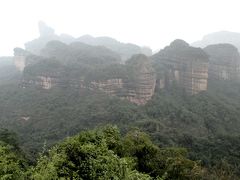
{"type": "Point", "coordinates": [153, 23]}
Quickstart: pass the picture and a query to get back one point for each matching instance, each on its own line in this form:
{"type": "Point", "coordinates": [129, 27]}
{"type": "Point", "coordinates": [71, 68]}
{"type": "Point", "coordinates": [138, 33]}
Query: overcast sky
{"type": "Point", "coordinates": [153, 23]}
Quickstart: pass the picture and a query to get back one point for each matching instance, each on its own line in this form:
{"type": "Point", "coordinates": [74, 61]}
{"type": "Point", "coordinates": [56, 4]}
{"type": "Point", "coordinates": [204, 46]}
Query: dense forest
{"type": "Point", "coordinates": [104, 153]}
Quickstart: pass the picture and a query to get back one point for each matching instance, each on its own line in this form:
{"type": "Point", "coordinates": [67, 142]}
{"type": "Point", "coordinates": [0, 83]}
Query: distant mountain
{"type": "Point", "coordinates": [125, 50]}
{"type": "Point", "coordinates": [219, 37]}
{"type": "Point", "coordinates": [58, 59]}
{"type": "Point", "coordinates": [224, 62]}
{"type": "Point", "coordinates": [46, 34]}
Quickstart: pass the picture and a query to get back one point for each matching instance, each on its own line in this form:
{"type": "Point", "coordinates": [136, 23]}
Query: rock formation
{"type": "Point", "coordinates": [47, 34]}
{"type": "Point", "coordinates": [20, 58]}
{"type": "Point", "coordinates": [136, 83]}
{"type": "Point", "coordinates": [79, 65]}
{"type": "Point", "coordinates": [224, 62]}
{"type": "Point", "coordinates": [184, 65]}
{"type": "Point", "coordinates": [137, 87]}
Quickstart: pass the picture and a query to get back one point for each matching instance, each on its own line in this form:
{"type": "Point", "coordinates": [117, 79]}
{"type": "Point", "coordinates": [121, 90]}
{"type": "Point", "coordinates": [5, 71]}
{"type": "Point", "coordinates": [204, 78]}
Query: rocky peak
{"type": "Point", "coordinates": [179, 43]}
{"type": "Point", "coordinates": [44, 29]}
{"type": "Point", "coordinates": [181, 51]}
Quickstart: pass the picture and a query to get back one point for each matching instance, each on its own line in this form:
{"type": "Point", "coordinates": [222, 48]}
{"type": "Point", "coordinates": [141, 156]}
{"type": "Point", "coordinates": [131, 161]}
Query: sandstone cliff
{"type": "Point", "coordinates": [78, 65]}
{"type": "Point", "coordinates": [19, 58]}
{"type": "Point", "coordinates": [224, 62]}
{"type": "Point", "coordinates": [184, 65]}
{"type": "Point", "coordinates": [137, 86]}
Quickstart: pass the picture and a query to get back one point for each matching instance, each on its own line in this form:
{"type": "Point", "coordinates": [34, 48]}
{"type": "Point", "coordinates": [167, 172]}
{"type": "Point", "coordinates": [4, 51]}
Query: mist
{"type": "Point", "coordinates": [151, 23]}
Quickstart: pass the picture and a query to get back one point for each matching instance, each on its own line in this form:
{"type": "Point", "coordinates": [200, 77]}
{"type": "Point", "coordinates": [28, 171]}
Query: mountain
{"type": "Point", "coordinates": [219, 38]}
{"type": "Point", "coordinates": [65, 65]}
{"type": "Point", "coordinates": [134, 81]}
{"type": "Point", "coordinates": [46, 34]}
{"type": "Point", "coordinates": [71, 87]}
{"type": "Point", "coordinates": [182, 64]}
{"type": "Point", "coordinates": [125, 50]}
{"type": "Point", "coordinates": [91, 67]}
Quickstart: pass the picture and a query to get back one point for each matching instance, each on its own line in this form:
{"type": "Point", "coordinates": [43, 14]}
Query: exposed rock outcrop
{"type": "Point", "coordinates": [224, 62]}
{"type": "Point", "coordinates": [20, 58]}
{"type": "Point", "coordinates": [184, 65]}
{"type": "Point", "coordinates": [110, 86]}
{"type": "Point", "coordinates": [136, 85]}
{"type": "Point", "coordinates": [139, 85]}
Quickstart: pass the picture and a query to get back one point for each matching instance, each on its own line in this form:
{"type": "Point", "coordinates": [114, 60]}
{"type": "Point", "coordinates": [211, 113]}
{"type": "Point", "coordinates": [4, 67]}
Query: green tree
{"type": "Point", "coordinates": [11, 167]}
{"type": "Point", "coordinates": [86, 156]}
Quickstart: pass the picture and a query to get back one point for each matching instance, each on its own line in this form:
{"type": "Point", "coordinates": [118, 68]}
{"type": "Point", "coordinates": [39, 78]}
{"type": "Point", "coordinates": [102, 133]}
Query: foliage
{"type": "Point", "coordinates": [86, 156]}
{"type": "Point", "coordinates": [11, 166]}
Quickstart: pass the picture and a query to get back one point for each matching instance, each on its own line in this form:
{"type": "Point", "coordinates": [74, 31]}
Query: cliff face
{"type": "Point", "coordinates": [184, 65]}
{"type": "Point", "coordinates": [19, 59]}
{"type": "Point", "coordinates": [138, 87]}
{"type": "Point", "coordinates": [44, 82]}
{"type": "Point", "coordinates": [224, 62]}
{"type": "Point", "coordinates": [110, 86]}
{"type": "Point", "coordinates": [62, 65]}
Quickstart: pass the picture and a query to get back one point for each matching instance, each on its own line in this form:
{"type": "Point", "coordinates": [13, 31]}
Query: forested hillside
{"type": "Point", "coordinates": [206, 124]}
{"type": "Point", "coordinates": [104, 153]}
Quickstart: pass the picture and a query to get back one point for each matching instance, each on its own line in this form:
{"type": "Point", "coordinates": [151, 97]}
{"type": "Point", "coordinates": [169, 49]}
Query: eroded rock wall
{"type": "Point", "coordinates": [224, 62]}
{"type": "Point", "coordinates": [139, 89]}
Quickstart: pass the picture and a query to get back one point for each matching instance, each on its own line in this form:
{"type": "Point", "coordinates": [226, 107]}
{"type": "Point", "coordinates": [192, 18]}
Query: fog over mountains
{"type": "Point", "coordinates": [219, 37]}
{"type": "Point", "coordinates": [126, 50]}
{"type": "Point", "coordinates": [186, 98]}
